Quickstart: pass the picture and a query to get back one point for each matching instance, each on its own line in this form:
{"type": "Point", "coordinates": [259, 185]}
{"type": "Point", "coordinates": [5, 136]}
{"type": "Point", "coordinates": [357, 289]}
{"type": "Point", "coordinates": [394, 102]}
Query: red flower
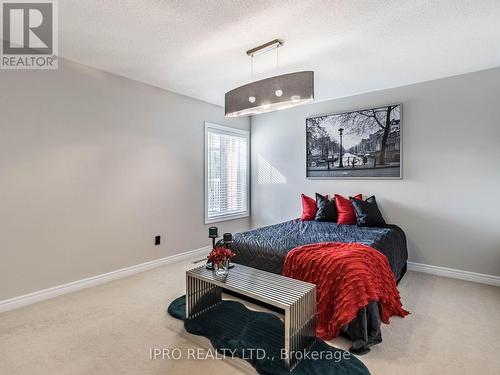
{"type": "Point", "coordinates": [220, 254]}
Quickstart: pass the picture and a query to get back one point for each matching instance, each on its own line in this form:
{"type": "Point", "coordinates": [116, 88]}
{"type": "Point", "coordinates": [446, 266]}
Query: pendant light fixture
{"type": "Point", "coordinates": [270, 94]}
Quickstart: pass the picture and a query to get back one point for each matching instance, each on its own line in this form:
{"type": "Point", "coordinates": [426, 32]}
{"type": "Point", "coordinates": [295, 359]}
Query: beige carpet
{"type": "Point", "coordinates": [110, 329]}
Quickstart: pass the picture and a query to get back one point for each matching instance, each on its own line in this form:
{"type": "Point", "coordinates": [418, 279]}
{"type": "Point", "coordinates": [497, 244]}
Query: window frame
{"type": "Point", "coordinates": [234, 132]}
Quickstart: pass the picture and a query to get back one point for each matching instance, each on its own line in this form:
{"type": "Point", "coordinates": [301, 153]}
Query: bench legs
{"type": "Point", "coordinates": [200, 296]}
{"type": "Point", "coordinates": [300, 328]}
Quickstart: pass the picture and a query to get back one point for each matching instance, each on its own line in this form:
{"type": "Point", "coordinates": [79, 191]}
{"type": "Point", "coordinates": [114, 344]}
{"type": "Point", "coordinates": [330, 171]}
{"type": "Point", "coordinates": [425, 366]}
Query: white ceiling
{"type": "Point", "coordinates": [197, 47]}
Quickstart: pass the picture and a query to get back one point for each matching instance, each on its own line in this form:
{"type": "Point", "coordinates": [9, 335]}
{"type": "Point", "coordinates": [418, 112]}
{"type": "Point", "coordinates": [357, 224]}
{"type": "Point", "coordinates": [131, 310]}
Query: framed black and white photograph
{"type": "Point", "coordinates": [359, 144]}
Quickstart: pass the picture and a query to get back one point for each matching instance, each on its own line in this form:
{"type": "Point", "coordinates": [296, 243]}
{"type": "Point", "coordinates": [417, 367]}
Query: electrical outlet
{"type": "Point", "coordinates": [157, 240]}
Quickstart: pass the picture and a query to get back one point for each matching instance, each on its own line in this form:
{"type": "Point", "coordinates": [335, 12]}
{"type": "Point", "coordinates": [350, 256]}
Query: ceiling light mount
{"type": "Point", "coordinates": [276, 43]}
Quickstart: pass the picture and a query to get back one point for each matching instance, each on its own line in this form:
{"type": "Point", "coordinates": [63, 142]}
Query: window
{"type": "Point", "coordinates": [226, 173]}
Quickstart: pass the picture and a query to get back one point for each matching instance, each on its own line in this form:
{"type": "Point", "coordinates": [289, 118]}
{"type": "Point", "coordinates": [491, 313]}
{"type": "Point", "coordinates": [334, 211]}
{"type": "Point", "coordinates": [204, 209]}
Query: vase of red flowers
{"type": "Point", "coordinates": [220, 257]}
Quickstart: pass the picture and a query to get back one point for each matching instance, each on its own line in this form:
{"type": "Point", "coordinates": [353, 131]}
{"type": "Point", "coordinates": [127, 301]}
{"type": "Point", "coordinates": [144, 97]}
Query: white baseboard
{"type": "Point", "coordinates": [41, 295]}
{"type": "Point", "coordinates": [455, 274]}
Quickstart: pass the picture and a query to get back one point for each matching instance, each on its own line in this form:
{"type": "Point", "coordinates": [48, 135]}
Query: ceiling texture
{"type": "Point", "coordinates": [197, 48]}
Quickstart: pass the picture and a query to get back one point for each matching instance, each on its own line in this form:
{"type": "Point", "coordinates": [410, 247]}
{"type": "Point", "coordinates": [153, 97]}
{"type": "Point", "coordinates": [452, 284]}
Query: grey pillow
{"type": "Point", "coordinates": [367, 212]}
{"type": "Point", "coordinates": [327, 210]}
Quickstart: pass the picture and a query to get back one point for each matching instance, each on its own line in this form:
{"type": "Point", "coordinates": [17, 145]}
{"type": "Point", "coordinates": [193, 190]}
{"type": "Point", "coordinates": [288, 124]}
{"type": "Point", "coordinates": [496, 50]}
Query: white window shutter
{"type": "Point", "coordinates": [226, 173]}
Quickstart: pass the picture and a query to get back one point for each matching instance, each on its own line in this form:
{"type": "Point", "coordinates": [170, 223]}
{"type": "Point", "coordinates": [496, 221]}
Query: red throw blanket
{"type": "Point", "coordinates": [347, 276]}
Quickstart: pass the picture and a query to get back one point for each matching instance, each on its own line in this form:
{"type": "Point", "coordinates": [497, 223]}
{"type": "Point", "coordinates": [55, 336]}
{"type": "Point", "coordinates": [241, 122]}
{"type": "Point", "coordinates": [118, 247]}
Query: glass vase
{"type": "Point", "coordinates": [221, 268]}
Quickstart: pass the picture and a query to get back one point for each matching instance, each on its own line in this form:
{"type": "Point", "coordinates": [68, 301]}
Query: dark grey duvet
{"type": "Point", "coordinates": [266, 248]}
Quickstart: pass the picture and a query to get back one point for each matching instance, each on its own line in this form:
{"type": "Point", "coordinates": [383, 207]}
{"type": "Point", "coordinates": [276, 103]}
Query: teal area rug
{"type": "Point", "coordinates": [258, 338]}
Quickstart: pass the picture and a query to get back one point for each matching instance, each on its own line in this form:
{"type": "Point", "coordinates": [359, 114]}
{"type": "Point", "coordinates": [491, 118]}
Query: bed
{"type": "Point", "coordinates": [266, 248]}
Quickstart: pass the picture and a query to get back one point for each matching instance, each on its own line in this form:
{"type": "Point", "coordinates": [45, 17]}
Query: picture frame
{"type": "Point", "coordinates": [356, 144]}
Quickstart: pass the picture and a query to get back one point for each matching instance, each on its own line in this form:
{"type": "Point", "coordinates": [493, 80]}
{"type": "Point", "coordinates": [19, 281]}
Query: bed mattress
{"type": "Point", "coordinates": [266, 248]}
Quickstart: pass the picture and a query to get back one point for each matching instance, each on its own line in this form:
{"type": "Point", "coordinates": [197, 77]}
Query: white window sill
{"type": "Point", "coordinates": [226, 218]}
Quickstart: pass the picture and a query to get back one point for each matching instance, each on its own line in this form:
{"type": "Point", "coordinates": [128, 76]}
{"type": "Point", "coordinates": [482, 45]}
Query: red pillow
{"type": "Point", "coordinates": [345, 209]}
{"type": "Point", "coordinates": [309, 208]}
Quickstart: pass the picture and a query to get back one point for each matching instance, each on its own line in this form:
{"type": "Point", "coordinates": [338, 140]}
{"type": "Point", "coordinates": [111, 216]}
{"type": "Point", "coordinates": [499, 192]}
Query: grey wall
{"type": "Point", "coordinates": [448, 201]}
{"type": "Point", "coordinates": [92, 166]}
